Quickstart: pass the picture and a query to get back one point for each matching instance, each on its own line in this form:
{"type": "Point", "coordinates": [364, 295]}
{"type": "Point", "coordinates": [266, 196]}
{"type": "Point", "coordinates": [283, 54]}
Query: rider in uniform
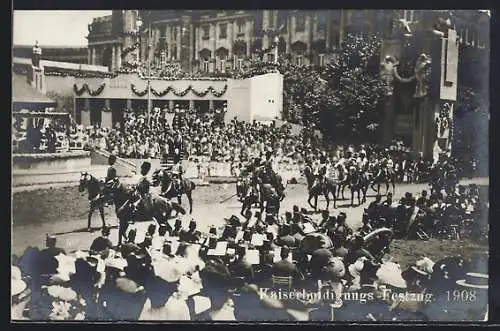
{"type": "Point", "coordinates": [111, 174]}
{"type": "Point", "coordinates": [144, 197]}
{"type": "Point", "coordinates": [177, 172]}
{"type": "Point", "coordinates": [322, 167]}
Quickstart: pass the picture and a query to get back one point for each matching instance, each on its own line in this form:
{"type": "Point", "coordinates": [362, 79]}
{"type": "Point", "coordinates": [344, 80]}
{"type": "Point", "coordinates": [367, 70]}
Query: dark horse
{"type": "Point", "coordinates": [267, 192]}
{"type": "Point", "coordinates": [169, 190]}
{"type": "Point", "coordinates": [383, 176]}
{"type": "Point", "coordinates": [159, 209]}
{"type": "Point", "coordinates": [358, 182]}
{"type": "Point", "coordinates": [316, 188]}
{"type": "Point", "coordinates": [94, 188]}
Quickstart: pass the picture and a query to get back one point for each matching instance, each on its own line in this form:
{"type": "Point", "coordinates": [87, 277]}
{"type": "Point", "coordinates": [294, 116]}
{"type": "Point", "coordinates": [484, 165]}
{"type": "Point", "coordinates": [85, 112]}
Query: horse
{"type": "Point", "coordinates": [270, 191]}
{"type": "Point", "coordinates": [242, 186]}
{"type": "Point", "coordinates": [93, 187]}
{"type": "Point", "coordinates": [342, 182]}
{"type": "Point", "coordinates": [382, 176]}
{"type": "Point", "coordinates": [169, 190]}
{"type": "Point", "coordinates": [123, 197]}
{"type": "Point", "coordinates": [358, 181]}
{"type": "Point", "coordinates": [316, 188]}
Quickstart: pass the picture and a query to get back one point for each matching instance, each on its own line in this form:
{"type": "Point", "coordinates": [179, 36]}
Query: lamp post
{"type": "Point", "coordinates": [148, 62]}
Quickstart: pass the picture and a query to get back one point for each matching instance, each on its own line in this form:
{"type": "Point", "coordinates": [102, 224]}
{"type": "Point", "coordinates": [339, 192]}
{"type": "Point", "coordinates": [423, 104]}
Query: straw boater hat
{"type": "Point", "coordinates": [474, 280]}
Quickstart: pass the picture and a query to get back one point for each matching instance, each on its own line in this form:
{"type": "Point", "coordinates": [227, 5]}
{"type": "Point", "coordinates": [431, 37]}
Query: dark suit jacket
{"type": "Point", "coordinates": [285, 268]}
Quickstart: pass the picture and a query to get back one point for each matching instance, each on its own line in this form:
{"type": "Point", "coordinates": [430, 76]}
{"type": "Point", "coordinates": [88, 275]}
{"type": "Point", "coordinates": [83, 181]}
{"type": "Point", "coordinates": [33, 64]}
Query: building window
{"type": "Point", "coordinates": [205, 66]}
{"type": "Point", "coordinates": [241, 27]}
{"type": "Point", "coordinates": [321, 20]}
{"type": "Point", "coordinates": [283, 20]}
{"type": "Point", "coordinates": [300, 23]}
{"type": "Point", "coordinates": [409, 15]}
{"type": "Point", "coordinates": [222, 65]}
{"type": "Point", "coordinates": [163, 58]}
{"type": "Point", "coordinates": [270, 57]}
{"type": "Point", "coordinates": [206, 32]}
{"type": "Point", "coordinates": [223, 31]}
{"type": "Point", "coordinates": [174, 33]}
{"type": "Point", "coordinates": [299, 60]}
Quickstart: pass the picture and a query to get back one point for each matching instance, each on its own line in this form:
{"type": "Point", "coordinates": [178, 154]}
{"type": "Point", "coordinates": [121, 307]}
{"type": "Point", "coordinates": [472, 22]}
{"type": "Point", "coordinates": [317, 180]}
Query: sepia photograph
{"type": "Point", "coordinates": [271, 165]}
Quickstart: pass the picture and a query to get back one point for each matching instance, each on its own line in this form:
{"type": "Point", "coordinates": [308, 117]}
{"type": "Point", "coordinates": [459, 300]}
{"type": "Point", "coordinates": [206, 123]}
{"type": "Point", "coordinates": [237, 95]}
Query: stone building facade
{"type": "Point", "coordinates": [217, 40]}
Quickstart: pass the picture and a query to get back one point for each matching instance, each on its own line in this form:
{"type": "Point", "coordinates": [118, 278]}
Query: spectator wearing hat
{"type": "Point", "coordinates": [423, 200]}
{"type": "Point", "coordinates": [101, 243]}
{"type": "Point", "coordinates": [177, 228]}
{"type": "Point", "coordinates": [240, 268]}
{"type": "Point", "coordinates": [130, 246]}
{"type": "Point", "coordinates": [85, 281]}
{"type": "Point", "coordinates": [45, 261]}
{"type": "Point", "coordinates": [285, 268]}
{"type": "Point", "coordinates": [357, 251]}
{"type": "Point", "coordinates": [341, 223]}
{"type": "Point", "coordinates": [285, 239]}
{"type": "Point", "coordinates": [191, 235]}
{"type": "Point", "coordinates": [374, 208]}
{"type": "Point", "coordinates": [366, 228]}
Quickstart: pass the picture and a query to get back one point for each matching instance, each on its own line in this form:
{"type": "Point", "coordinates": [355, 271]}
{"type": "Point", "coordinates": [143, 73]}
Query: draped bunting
{"type": "Point", "coordinates": [169, 89]}
{"type": "Point", "coordinates": [86, 88]}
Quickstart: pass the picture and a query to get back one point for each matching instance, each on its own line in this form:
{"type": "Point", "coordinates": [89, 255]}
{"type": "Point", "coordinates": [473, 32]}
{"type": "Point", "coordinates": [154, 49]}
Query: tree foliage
{"type": "Point", "coordinates": [355, 90]}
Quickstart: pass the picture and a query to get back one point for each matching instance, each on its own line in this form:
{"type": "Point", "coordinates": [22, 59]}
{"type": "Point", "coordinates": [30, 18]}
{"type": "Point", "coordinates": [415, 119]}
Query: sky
{"type": "Point", "coordinates": [53, 27]}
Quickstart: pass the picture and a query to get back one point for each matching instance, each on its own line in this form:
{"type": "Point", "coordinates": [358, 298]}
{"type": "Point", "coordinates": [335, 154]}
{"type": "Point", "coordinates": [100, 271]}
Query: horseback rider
{"type": "Point", "coordinates": [322, 168]}
{"type": "Point", "coordinates": [254, 170]}
{"type": "Point", "coordinates": [111, 174]}
{"type": "Point", "coordinates": [142, 188]}
{"type": "Point", "coordinates": [177, 172]}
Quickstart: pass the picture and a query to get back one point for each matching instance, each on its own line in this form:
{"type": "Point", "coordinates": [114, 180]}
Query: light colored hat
{"type": "Point", "coordinates": [474, 280]}
{"type": "Point", "coordinates": [423, 266]}
{"type": "Point", "coordinates": [389, 273]}
{"type": "Point", "coordinates": [61, 293]}
{"type": "Point", "coordinates": [356, 268]}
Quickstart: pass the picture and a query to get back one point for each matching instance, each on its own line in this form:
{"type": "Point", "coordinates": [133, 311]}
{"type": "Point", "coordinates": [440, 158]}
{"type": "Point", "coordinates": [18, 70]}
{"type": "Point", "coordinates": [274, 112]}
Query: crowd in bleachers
{"type": "Point", "coordinates": [175, 272]}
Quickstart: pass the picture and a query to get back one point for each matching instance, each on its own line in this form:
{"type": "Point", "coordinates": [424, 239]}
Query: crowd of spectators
{"type": "Point", "coordinates": [176, 272]}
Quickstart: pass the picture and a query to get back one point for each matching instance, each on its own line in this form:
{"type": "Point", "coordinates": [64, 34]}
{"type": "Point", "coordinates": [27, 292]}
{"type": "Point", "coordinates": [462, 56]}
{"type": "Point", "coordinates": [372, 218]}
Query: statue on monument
{"type": "Point", "coordinates": [422, 75]}
{"type": "Point", "coordinates": [37, 55]}
{"type": "Point", "coordinates": [387, 73]}
{"type": "Point", "coordinates": [443, 24]}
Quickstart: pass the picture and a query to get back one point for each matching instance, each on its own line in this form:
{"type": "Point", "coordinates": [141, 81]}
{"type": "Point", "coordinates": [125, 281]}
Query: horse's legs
{"type": "Point", "coordinates": [393, 188]}
{"type": "Point", "coordinates": [190, 199]}
{"type": "Point", "coordinates": [326, 193]}
{"type": "Point", "coordinates": [359, 200]}
{"type": "Point", "coordinates": [91, 212]}
{"type": "Point", "coordinates": [352, 197]}
{"type": "Point", "coordinates": [334, 198]}
{"type": "Point", "coordinates": [315, 202]}
{"type": "Point", "coordinates": [122, 229]}
{"type": "Point", "coordinates": [101, 211]}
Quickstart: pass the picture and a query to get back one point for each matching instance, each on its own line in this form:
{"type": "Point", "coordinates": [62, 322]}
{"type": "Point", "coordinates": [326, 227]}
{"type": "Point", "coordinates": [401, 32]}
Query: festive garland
{"type": "Point", "coordinates": [129, 49]}
{"type": "Point", "coordinates": [86, 87]}
{"type": "Point", "coordinates": [201, 94]}
{"type": "Point", "coordinates": [138, 93]}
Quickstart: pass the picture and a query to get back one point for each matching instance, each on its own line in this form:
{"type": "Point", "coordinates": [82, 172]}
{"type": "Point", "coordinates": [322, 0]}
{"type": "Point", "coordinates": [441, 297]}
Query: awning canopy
{"type": "Point", "coordinates": [26, 96]}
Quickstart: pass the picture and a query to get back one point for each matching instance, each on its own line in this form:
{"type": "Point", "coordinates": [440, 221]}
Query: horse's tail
{"type": "Point", "coordinates": [191, 185]}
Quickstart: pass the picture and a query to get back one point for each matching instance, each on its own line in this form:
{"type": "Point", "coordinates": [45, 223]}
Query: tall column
{"type": "Point", "coordinates": [191, 105]}
{"type": "Point", "coordinates": [231, 33]}
{"type": "Point", "coordinates": [113, 58]}
{"type": "Point", "coordinates": [308, 27]}
{"type": "Point", "coordinates": [89, 55]}
{"type": "Point", "coordinates": [178, 42]}
{"type": "Point", "coordinates": [196, 42]}
{"type": "Point", "coordinates": [265, 25]}
{"type": "Point", "coordinates": [213, 36]}
{"type": "Point", "coordinates": [314, 26]}
{"type": "Point", "coordinates": [170, 104]}
{"type": "Point", "coordinates": [211, 105]}
{"type": "Point", "coordinates": [289, 33]}
{"type": "Point", "coordinates": [93, 55]}
{"type": "Point", "coordinates": [118, 56]}
{"type": "Point", "coordinates": [248, 34]}
{"type": "Point", "coordinates": [168, 34]}
{"type": "Point", "coordinates": [328, 28]}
